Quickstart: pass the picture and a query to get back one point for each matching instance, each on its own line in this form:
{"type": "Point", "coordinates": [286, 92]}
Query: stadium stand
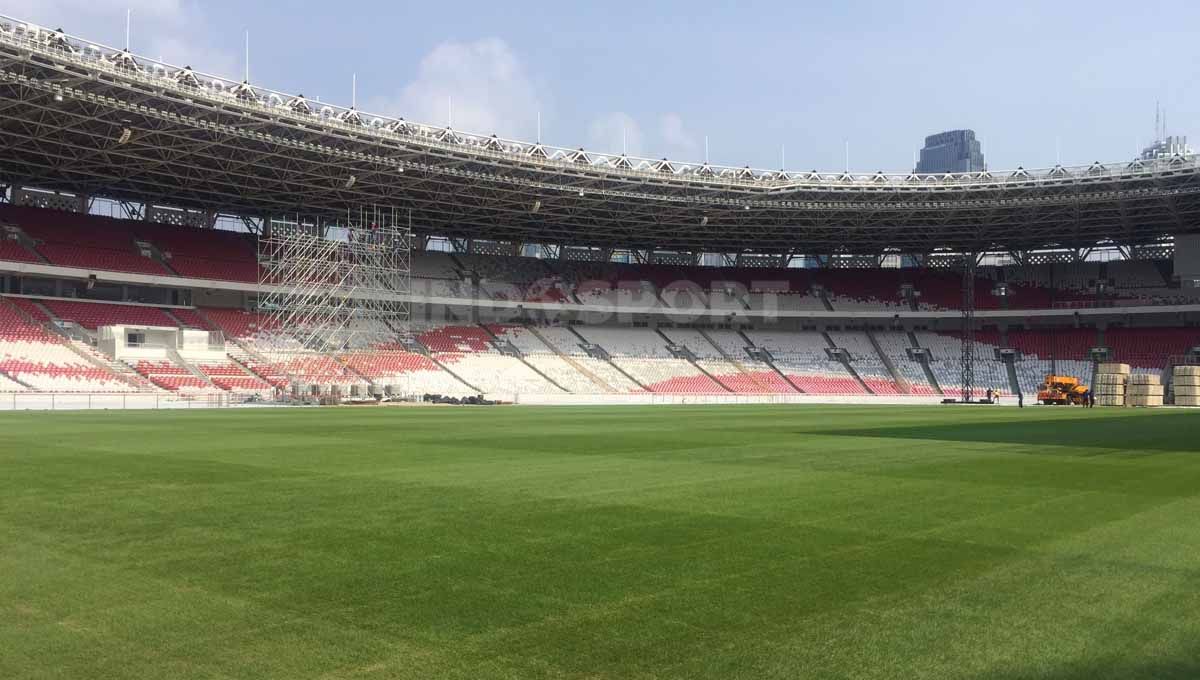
{"type": "Point", "coordinates": [553, 359]}
{"type": "Point", "coordinates": [802, 357]}
{"type": "Point", "coordinates": [33, 357]}
{"type": "Point", "coordinates": [642, 354]}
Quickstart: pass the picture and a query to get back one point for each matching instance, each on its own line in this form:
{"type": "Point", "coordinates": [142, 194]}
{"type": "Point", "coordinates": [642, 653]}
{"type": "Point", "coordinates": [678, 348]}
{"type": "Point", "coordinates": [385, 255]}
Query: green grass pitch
{"type": "Point", "coordinates": [601, 543]}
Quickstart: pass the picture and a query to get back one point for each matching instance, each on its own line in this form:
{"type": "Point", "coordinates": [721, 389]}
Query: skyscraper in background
{"type": "Point", "coordinates": [951, 151]}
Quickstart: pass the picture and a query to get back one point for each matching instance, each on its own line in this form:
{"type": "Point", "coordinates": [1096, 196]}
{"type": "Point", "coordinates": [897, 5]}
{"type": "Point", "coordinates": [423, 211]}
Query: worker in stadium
{"type": "Point", "coordinates": [1091, 399]}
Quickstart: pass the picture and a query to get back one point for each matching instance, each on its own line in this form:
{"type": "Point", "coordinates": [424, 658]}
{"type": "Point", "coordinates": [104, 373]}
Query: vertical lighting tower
{"type": "Point", "coordinates": [967, 377]}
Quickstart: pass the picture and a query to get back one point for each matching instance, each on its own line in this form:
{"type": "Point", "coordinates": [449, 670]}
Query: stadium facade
{"type": "Point", "coordinates": [158, 299]}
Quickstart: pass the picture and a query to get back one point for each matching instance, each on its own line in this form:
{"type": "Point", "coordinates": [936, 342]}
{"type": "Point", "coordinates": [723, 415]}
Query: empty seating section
{"type": "Point", "coordinates": [456, 339]}
{"type": "Point", "coordinates": [15, 252]}
{"type": "Point", "coordinates": [895, 344]}
{"type": "Point", "coordinates": [406, 371]}
{"type": "Point", "coordinates": [763, 379]}
{"type": "Point", "coordinates": [496, 373]}
{"type": "Point", "coordinates": [945, 363]}
{"type": "Point", "coordinates": [786, 302]}
{"type": "Point", "coordinates": [92, 315]}
{"type": "Point", "coordinates": [1151, 349]}
{"type": "Point", "coordinates": [712, 361]}
{"type": "Point", "coordinates": [32, 355]}
{"type": "Point", "coordinates": [469, 352]}
{"type": "Point", "coordinates": [569, 344]}
{"type": "Point", "coordinates": [235, 323]}
{"type": "Point", "coordinates": [171, 376]}
{"type": "Point", "coordinates": [190, 319]}
{"type": "Point", "coordinates": [851, 289]}
{"type": "Point", "coordinates": [514, 278]}
{"type": "Point", "coordinates": [231, 377]}
{"type": "Point", "coordinates": [85, 241]}
{"type": "Point", "coordinates": [7, 385]}
{"type": "Point", "coordinates": [1054, 343]}
{"type": "Point", "coordinates": [204, 253]}
{"type": "Point", "coordinates": [31, 308]}
{"type": "Point", "coordinates": [866, 361]}
{"type": "Point", "coordinates": [643, 355]}
{"type": "Point", "coordinates": [310, 368]}
{"type": "Point", "coordinates": [543, 358]}
{"type": "Point", "coordinates": [801, 356]}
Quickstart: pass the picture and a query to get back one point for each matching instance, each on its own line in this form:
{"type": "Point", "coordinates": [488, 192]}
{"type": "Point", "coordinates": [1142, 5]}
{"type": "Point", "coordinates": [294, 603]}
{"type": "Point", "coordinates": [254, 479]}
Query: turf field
{"type": "Point", "coordinates": [621, 542]}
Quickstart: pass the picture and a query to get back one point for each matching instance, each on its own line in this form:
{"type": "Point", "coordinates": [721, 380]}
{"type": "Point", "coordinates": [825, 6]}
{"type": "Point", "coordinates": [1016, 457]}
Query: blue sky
{"type": "Point", "coordinates": [751, 76]}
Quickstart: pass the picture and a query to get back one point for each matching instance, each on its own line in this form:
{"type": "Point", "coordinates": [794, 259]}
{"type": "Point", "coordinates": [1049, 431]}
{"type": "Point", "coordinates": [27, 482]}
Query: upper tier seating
{"type": "Point", "coordinates": [204, 253]}
{"type": "Point", "coordinates": [85, 241]}
{"type": "Point", "coordinates": [103, 243]}
{"type": "Point", "coordinates": [15, 252]}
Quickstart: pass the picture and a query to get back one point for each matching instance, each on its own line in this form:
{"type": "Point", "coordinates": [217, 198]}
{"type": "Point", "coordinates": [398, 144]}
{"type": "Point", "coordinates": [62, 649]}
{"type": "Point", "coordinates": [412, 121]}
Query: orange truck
{"type": "Point", "coordinates": [1062, 389]}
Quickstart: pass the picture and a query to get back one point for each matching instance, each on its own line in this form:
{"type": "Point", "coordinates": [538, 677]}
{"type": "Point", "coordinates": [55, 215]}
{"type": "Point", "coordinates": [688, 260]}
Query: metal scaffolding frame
{"type": "Point", "coordinates": [967, 368]}
{"type": "Point", "coordinates": [338, 287]}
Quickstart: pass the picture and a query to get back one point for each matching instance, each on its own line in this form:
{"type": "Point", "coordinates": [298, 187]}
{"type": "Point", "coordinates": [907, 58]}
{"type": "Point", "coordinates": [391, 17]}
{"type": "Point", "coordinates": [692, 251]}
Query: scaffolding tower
{"type": "Point", "coordinates": [334, 288]}
{"type": "Point", "coordinates": [967, 357]}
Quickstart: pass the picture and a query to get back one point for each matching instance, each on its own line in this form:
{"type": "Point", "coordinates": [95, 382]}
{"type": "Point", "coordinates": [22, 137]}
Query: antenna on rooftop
{"type": "Point", "coordinates": [247, 55]}
{"type": "Point", "coordinates": [128, 27]}
{"type": "Point", "coordinates": [354, 91]}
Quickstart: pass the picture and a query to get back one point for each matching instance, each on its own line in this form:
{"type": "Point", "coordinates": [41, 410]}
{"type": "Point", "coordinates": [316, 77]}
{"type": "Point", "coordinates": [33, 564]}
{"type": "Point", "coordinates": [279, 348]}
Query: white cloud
{"type": "Point", "coordinates": [677, 143]}
{"type": "Point", "coordinates": [489, 89]}
{"type": "Point", "coordinates": [613, 131]}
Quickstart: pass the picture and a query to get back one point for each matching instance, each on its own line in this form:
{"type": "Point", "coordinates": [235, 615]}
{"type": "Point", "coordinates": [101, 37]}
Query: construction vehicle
{"type": "Point", "coordinates": [1062, 389]}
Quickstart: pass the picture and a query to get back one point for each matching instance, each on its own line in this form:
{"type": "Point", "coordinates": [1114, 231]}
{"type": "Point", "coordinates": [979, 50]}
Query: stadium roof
{"type": "Point", "coordinates": [81, 117]}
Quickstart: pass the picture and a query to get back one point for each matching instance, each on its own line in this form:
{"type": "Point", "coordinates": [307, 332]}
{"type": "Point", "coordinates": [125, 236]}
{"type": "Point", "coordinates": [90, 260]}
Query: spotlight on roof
{"type": "Point", "coordinates": [745, 207]}
{"type": "Point", "coordinates": [581, 193]}
{"type": "Point", "coordinates": [58, 96]}
{"type": "Point", "coordinates": [704, 221]}
{"type": "Point", "coordinates": [350, 181]}
{"type": "Point", "coordinates": [126, 135]}
{"type": "Point", "coordinates": [400, 167]}
{"type": "Point", "coordinates": [537, 205]}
